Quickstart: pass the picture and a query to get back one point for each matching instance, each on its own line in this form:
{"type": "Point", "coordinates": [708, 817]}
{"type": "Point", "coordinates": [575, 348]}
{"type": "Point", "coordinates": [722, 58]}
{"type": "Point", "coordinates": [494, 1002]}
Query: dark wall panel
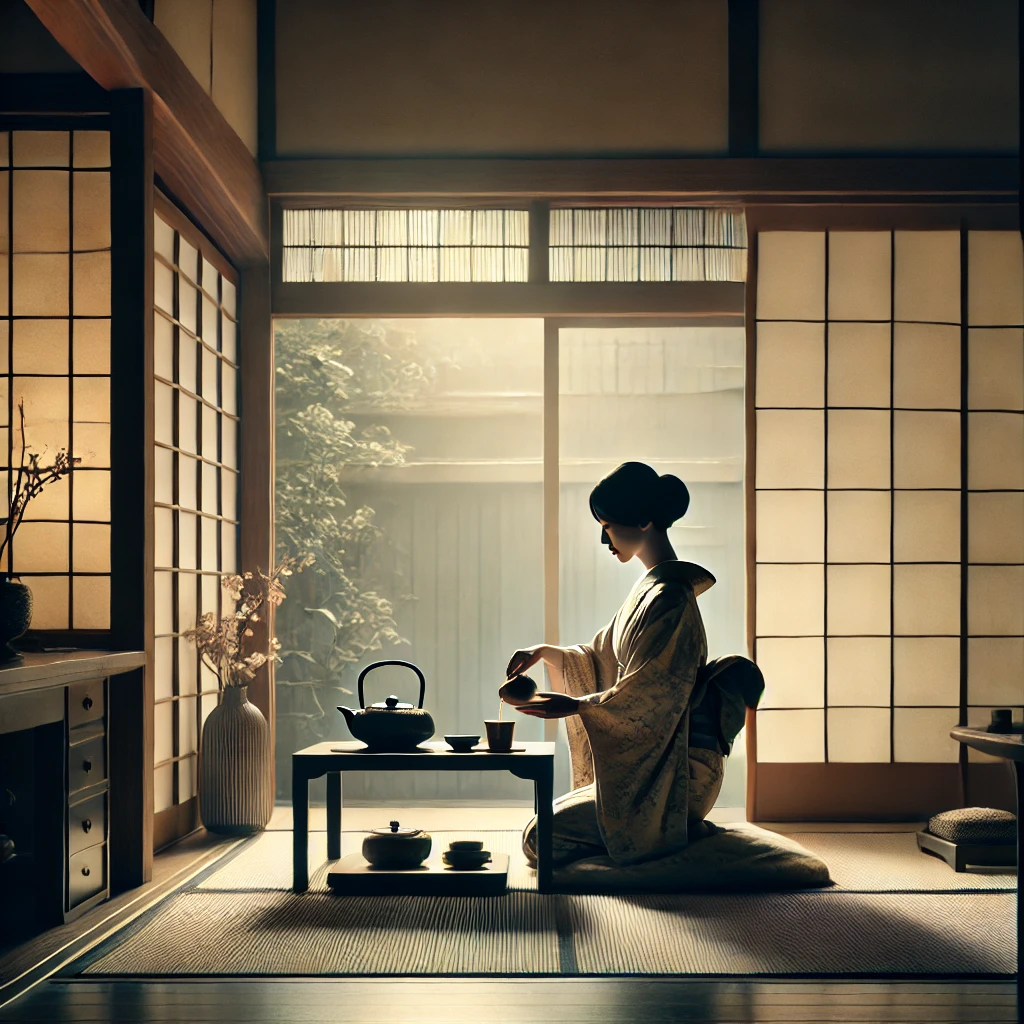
{"type": "Point", "coordinates": [400, 77]}
{"type": "Point", "coordinates": [888, 76]}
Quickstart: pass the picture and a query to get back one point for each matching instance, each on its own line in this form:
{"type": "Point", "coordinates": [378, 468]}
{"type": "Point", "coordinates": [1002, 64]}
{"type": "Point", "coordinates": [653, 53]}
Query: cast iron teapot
{"type": "Point", "coordinates": [390, 726]}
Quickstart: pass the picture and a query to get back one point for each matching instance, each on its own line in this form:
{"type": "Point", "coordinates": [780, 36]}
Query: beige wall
{"type": "Point", "coordinates": [888, 75]}
{"type": "Point", "coordinates": [577, 77]}
{"type": "Point", "coordinates": [216, 39]}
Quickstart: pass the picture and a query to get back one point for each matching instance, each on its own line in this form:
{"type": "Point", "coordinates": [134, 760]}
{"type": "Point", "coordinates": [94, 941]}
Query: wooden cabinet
{"type": "Point", "coordinates": [79, 793]}
{"type": "Point", "coordinates": [88, 874]}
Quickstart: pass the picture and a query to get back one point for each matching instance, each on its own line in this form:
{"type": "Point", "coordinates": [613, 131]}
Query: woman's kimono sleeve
{"type": "Point", "coordinates": [587, 669]}
{"type": "Point", "coordinates": [635, 682]}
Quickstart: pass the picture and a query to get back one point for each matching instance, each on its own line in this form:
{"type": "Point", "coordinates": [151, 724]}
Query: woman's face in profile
{"type": "Point", "coordinates": [623, 541]}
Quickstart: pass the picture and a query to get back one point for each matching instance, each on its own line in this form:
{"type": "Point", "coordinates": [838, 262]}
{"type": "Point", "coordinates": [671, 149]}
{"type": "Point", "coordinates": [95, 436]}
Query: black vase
{"type": "Point", "coordinates": [15, 616]}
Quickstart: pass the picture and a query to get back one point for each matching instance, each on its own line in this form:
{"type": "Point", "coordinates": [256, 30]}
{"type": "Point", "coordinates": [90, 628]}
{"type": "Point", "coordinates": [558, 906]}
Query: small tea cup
{"type": "Point", "coordinates": [466, 845]}
{"type": "Point", "coordinates": [466, 860]}
{"type": "Point", "coordinates": [499, 734]}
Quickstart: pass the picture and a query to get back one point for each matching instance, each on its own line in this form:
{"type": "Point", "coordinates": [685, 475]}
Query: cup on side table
{"type": "Point", "coordinates": [1002, 720]}
{"type": "Point", "coordinates": [499, 734]}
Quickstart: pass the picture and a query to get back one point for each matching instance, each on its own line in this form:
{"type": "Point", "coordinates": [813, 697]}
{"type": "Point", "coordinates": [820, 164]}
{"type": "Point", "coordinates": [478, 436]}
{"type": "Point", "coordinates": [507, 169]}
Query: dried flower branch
{"type": "Point", "coordinates": [223, 644]}
{"type": "Point", "coordinates": [31, 478]}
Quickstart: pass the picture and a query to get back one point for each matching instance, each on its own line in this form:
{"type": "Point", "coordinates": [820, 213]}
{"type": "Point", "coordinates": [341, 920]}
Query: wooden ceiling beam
{"type": "Point", "coordinates": [196, 154]}
{"type": "Point", "coordinates": [711, 301]}
{"type": "Point", "coordinates": [716, 179]}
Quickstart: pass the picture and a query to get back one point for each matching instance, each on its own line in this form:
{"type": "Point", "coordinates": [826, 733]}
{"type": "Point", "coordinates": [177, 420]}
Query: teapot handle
{"type": "Point", "coordinates": [380, 664]}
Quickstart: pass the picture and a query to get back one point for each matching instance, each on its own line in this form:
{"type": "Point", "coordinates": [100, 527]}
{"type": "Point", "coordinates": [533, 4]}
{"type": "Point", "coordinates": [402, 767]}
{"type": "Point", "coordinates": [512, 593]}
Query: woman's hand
{"type": "Point", "coordinates": [550, 705]}
{"type": "Point", "coordinates": [523, 660]}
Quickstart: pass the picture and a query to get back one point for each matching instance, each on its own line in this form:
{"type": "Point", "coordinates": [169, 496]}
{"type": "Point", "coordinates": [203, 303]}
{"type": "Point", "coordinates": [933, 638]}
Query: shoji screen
{"type": "Point", "coordinates": [995, 475]}
{"type": "Point", "coordinates": [55, 357]}
{"type": "Point", "coordinates": [864, 523]}
{"type": "Point", "coordinates": [196, 489]}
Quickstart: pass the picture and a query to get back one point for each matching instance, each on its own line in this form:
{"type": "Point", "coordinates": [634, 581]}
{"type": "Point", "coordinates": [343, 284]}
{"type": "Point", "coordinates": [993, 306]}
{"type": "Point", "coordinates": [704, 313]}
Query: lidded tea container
{"type": "Point", "coordinates": [395, 848]}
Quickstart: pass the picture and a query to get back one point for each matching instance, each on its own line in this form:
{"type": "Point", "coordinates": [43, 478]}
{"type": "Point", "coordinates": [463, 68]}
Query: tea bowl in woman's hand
{"type": "Point", "coordinates": [518, 690]}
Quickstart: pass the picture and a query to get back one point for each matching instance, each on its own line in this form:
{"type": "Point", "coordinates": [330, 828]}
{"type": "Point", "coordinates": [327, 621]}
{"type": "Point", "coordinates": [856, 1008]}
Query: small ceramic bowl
{"type": "Point", "coordinates": [466, 860]}
{"type": "Point", "coordinates": [462, 743]}
{"type": "Point", "coordinates": [466, 845]}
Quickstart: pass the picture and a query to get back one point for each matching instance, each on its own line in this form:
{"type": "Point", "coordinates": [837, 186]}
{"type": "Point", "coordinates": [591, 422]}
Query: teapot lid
{"type": "Point", "coordinates": [396, 830]}
{"type": "Point", "coordinates": [392, 703]}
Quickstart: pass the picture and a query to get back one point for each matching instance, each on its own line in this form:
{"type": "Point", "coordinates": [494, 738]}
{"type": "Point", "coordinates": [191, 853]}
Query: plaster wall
{"type": "Point", "coordinates": [510, 77]}
{"type": "Point", "coordinates": [216, 40]}
{"type": "Point", "coordinates": [650, 78]}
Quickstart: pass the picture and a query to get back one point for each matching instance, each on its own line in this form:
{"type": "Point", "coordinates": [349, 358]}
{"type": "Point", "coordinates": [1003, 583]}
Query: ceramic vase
{"type": "Point", "coordinates": [15, 616]}
{"type": "Point", "coordinates": [235, 797]}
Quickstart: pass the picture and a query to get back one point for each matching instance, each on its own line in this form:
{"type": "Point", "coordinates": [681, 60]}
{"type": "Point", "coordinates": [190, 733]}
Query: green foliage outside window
{"type": "Point", "coordinates": [329, 371]}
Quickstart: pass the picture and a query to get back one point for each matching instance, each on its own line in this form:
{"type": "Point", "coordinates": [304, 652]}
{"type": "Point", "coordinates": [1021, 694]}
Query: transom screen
{"type": "Point", "coordinates": [55, 358]}
{"type": "Point", "coordinates": [890, 490]}
{"type": "Point", "coordinates": [641, 244]}
{"type": "Point", "coordinates": [196, 488]}
{"type": "Point", "coordinates": [405, 245]}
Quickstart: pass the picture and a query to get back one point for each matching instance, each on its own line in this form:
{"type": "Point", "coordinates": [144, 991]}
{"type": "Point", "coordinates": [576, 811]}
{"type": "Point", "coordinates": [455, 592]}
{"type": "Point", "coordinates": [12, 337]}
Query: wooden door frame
{"type": "Point", "coordinates": [131, 437]}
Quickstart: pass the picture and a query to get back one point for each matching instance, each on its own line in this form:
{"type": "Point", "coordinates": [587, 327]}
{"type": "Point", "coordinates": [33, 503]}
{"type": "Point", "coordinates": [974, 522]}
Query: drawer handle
{"type": "Point", "coordinates": [86, 872]}
{"type": "Point", "coordinates": [87, 703]}
{"type": "Point", "coordinates": [87, 764]}
{"type": "Point", "coordinates": [86, 825]}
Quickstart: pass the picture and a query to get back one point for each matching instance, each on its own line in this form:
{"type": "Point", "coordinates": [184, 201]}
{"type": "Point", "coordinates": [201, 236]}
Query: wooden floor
{"type": "Point", "coordinates": [468, 1001]}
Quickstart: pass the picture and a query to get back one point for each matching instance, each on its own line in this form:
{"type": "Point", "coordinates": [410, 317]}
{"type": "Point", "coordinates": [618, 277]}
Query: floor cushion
{"type": "Point", "coordinates": [974, 825]}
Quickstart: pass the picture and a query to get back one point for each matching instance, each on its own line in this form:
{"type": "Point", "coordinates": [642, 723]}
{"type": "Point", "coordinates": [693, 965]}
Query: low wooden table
{"type": "Point", "coordinates": [535, 761]}
{"type": "Point", "coordinates": [1009, 745]}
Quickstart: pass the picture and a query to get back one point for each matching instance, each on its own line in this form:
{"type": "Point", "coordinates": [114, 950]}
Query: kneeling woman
{"type": "Point", "coordinates": [649, 719]}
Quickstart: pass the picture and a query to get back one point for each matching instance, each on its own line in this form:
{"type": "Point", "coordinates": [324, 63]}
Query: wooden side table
{"type": "Point", "coordinates": [535, 761]}
{"type": "Point", "coordinates": [1008, 745]}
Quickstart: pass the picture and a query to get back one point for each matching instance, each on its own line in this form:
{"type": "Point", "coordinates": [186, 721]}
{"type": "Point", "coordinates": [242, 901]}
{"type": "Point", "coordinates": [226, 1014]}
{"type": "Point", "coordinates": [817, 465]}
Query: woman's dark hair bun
{"type": "Point", "coordinates": [634, 495]}
{"type": "Point", "coordinates": [673, 500]}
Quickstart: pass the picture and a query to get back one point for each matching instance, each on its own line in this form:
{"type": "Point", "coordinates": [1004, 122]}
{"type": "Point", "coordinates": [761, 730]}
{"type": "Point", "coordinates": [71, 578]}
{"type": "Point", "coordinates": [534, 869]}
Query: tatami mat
{"type": "Point", "coordinates": [894, 910]}
{"type": "Point", "coordinates": [891, 862]}
{"type": "Point", "coordinates": [265, 933]}
{"type": "Point", "coordinates": [860, 862]}
{"type": "Point", "coordinates": [823, 932]}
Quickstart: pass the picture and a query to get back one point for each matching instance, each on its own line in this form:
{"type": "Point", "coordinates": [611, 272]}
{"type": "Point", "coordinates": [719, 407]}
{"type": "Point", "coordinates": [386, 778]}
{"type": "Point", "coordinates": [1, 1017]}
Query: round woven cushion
{"type": "Point", "coordinates": [974, 825]}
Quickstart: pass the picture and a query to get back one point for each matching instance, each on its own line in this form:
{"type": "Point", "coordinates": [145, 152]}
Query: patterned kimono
{"type": "Point", "coordinates": [641, 791]}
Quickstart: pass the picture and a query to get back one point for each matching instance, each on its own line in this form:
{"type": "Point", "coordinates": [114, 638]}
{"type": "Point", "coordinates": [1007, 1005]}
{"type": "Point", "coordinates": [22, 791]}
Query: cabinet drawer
{"type": "Point", "coordinates": [87, 823]}
{"type": "Point", "coordinates": [87, 875]}
{"type": "Point", "coordinates": [85, 703]}
{"type": "Point", "coordinates": [86, 764]}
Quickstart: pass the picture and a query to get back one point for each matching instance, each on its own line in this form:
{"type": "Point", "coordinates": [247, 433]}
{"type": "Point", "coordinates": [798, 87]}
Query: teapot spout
{"type": "Point", "coordinates": [349, 715]}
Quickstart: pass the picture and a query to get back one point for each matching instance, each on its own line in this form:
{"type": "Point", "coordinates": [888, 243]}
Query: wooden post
{"type": "Point", "coordinates": [744, 85]}
{"type": "Point", "coordinates": [131, 498]}
{"type": "Point", "coordinates": [750, 503]}
{"type": "Point", "coordinates": [551, 484]}
{"type": "Point", "coordinates": [256, 499]}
